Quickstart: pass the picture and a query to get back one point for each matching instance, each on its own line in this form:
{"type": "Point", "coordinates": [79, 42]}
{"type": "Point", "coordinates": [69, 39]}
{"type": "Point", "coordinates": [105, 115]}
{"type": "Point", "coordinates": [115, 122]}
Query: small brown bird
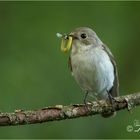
{"type": "Point", "coordinates": [93, 66]}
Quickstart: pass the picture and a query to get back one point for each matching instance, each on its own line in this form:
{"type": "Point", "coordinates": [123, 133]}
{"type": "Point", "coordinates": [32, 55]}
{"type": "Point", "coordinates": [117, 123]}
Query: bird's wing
{"type": "Point", "coordinates": [115, 89]}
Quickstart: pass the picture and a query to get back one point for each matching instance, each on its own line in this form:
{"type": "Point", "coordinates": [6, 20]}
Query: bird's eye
{"type": "Point", "coordinates": [83, 35]}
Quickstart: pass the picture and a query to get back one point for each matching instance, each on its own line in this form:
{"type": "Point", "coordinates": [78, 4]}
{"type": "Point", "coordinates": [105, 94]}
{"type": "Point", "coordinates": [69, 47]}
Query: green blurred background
{"type": "Point", "coordinates": [34, 73]}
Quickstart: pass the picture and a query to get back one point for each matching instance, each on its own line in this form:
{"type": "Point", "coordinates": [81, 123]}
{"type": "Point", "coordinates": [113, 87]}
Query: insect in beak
{"type": "Point", "coordinates": [66, 42]}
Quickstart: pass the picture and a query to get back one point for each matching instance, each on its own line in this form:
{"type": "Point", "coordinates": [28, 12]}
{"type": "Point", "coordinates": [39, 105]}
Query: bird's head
{"type": "Point", "coordinates": [80, 38]}
{"type": "Point", "coordinates": [84, 36]}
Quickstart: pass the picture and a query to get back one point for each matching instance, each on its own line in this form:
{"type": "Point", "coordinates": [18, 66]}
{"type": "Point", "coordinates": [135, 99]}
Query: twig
{"type": "Point", "coordinates": [60, 112]}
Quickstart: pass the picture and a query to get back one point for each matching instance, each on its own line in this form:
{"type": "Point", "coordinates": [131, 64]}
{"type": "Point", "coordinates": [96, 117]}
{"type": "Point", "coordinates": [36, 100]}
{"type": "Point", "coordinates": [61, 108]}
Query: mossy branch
{"type": "Point", "coordinates": [60, 112]}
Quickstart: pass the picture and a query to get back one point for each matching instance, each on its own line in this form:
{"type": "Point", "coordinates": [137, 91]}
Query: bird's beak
{"type": "Point", "coordinates": [73, 35]}
{"type": "Point", "coordinates": [66, 43]}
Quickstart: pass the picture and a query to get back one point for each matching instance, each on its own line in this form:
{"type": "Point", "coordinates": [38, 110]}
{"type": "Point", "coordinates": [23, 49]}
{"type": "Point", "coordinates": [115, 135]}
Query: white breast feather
{"type": "Point", "coordinates": [93, 70]}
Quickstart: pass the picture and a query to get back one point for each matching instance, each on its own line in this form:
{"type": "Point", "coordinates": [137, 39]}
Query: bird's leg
{"type": "Point", "coordinates": [112, 100]}
{"type": "Point", "coordinates": [85, 98]}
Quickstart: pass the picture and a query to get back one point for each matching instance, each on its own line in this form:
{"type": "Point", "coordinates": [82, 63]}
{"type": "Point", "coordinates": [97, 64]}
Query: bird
{"type": "Point", "coordinates": [93, 66]}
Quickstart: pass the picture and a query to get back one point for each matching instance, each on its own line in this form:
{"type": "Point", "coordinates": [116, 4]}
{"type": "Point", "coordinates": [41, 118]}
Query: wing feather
{"type": "Point", "coordinates": [115, 89]}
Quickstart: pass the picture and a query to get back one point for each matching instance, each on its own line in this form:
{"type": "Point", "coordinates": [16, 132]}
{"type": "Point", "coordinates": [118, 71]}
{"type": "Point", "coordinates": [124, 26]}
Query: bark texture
{"type": "Point", "coordinates": [60, 112]}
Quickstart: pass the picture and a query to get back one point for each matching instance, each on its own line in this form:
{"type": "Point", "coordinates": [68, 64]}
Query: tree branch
{"type": "Point", "coordinates": [60, 112]}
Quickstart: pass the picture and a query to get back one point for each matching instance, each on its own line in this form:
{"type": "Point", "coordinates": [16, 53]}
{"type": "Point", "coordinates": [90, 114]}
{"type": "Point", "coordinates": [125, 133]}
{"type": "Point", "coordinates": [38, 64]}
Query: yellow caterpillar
{"type": "Point", "coordinates": [66, 42]}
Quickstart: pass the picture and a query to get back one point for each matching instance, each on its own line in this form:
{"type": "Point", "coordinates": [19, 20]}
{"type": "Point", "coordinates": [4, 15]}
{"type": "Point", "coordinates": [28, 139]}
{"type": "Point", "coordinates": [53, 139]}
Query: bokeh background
{"type": "Point", "coordinates": [34, 73]}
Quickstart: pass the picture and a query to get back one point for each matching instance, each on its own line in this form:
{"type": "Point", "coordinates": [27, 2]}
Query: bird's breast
{"type": "Point", "coordinates": [93, 70]}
